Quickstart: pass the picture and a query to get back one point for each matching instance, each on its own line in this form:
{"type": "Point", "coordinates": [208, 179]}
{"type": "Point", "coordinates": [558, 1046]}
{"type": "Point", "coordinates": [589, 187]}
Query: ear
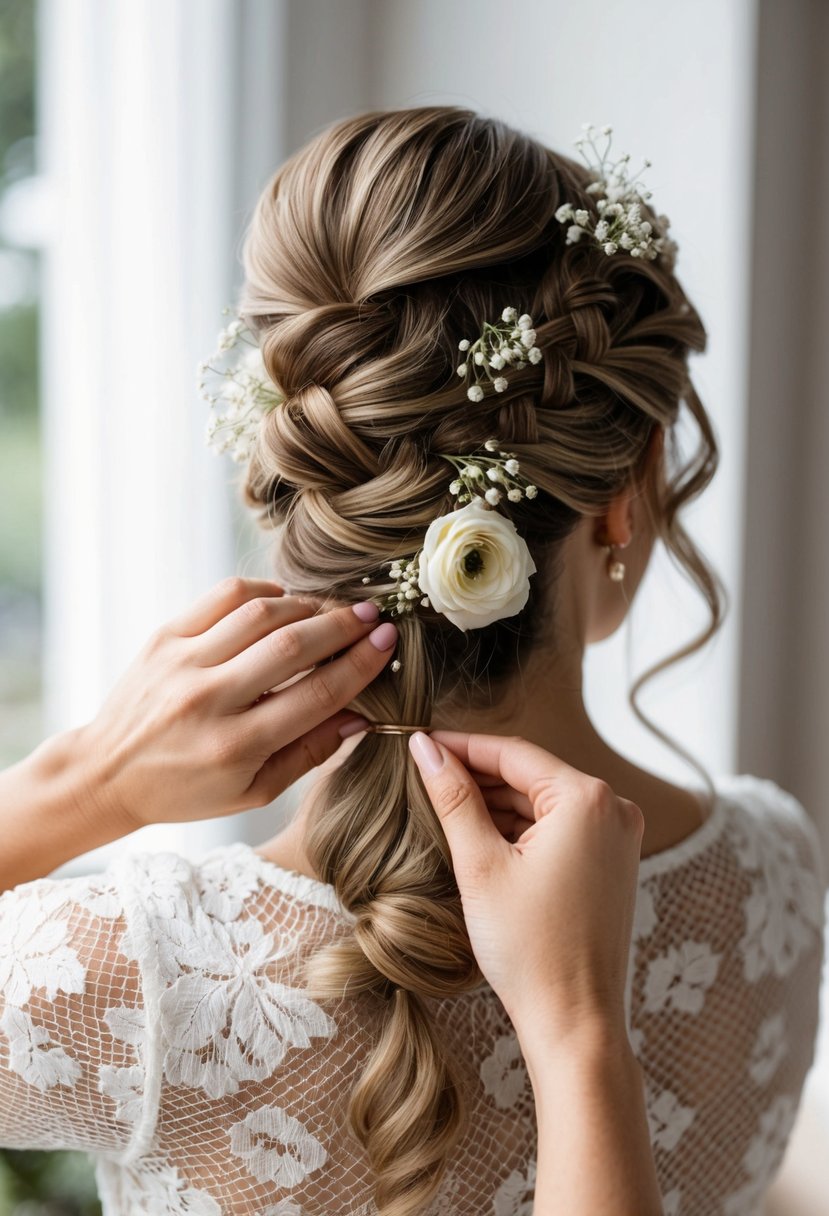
{"type": "Point", "coordinates": [616, 525]}
{"type": "Point", "coordinates": [618, 519]}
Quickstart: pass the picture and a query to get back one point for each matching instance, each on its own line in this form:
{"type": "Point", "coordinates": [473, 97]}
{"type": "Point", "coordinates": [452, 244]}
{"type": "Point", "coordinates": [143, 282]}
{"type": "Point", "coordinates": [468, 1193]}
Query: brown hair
{"type": "Point", "coordinates": [371, 252]}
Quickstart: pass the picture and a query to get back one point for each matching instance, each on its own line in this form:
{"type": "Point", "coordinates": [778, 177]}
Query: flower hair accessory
{"type": "Point", "coordinates": [620, 226]}
{"type": "Point", "coordinates": [510, 342]}
{"type": "Point", "coordinates": [242, 391]}
{"type": "Point", "coordinates": [474, 566]}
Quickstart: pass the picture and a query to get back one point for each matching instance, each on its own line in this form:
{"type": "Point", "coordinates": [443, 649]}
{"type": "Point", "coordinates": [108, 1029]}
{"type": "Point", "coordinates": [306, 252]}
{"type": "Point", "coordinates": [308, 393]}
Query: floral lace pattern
{"type": "Point", "coordinates": [784, 906]}
{"type": "Point", "coordinates": [155, 1016]}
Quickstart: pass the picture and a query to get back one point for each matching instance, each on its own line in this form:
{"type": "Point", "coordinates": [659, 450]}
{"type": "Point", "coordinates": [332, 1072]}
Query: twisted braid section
{"type": "Point", "coordinates": [393, 871]}
{"type": "Point", "coordinates": [306, 442]}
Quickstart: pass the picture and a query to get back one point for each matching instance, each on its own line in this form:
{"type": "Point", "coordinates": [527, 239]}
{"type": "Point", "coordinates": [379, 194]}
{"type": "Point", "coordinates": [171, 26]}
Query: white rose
{"type": "Point", "coordinates": [475, 567]}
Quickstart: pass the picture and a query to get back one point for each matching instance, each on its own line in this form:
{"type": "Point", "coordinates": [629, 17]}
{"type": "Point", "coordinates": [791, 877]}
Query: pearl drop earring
{"type": "Point", "coordinates": [615, 568]}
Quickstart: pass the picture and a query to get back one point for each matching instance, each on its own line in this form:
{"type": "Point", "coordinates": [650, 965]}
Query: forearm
{"type": "Point", "coordinates": [50, 812]}
{"type": "Point", "coordinates": [594, 1152]}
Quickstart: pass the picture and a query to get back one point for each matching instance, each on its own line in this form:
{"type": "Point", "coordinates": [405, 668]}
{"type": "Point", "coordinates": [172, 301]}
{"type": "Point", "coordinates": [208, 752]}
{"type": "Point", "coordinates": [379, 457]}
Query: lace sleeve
{"type": "Point", "coordinates": [72, 1018]}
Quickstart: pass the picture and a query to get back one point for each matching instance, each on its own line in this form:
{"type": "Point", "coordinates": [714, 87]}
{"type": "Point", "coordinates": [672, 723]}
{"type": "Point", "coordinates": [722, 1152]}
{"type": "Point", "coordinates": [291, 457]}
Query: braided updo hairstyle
{"type": "Point", "coordinates": [371, 253]}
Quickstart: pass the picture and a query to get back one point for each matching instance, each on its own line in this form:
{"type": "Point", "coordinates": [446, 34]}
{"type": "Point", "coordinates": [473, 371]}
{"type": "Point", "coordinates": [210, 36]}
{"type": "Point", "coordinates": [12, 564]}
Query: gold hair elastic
{"type": "Point", "coordinates": [393, 728]}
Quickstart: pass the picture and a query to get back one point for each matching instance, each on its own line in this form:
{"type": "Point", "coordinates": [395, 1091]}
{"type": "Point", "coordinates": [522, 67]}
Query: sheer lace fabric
{"type": "Point", "coordinates": [153, 1015]}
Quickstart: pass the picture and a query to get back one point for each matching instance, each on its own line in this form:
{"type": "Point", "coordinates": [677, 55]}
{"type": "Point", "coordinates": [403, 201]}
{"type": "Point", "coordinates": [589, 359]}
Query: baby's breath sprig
{"type": "Point", "coordinates": [489, 477]}
{"type": "Point", "coordinates": [510, 342]}
{"type": "Point", "coordinates": [242, 391]}
{"type": "Point", "coordinates": [621, 225]}
{"type": "Point", "coordinates": [404, 572]}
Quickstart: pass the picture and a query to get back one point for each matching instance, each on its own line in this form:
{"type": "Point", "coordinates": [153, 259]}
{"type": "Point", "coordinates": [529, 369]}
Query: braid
{"type": "Point", "coordinates": [371, 253]}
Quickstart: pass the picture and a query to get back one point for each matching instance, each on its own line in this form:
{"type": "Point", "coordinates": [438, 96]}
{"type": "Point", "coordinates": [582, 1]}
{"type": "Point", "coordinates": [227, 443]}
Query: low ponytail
{"type": "Point", "coordinates": [373, 835]}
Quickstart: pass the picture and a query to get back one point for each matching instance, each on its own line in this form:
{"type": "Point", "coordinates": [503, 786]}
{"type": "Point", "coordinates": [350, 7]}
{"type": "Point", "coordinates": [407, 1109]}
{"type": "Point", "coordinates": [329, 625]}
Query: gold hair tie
{"type": "Point", "coordinates": [393, 728]}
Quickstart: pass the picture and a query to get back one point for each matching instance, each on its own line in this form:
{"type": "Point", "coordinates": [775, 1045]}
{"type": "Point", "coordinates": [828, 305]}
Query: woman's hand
{"type": "Point", "coordinates": [550, 916]}
{"type": "Point", "coordinates": [193, 729]}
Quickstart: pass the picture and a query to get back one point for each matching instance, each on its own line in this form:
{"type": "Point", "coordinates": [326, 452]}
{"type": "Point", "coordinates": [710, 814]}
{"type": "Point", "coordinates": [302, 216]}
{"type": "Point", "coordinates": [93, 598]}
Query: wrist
{"type": "Point", "coordinates": [51, 809]}
{"type": "Point", "coordinates": [547, 1032]}
{"type": "Point", "coordinates": [592, 1058]}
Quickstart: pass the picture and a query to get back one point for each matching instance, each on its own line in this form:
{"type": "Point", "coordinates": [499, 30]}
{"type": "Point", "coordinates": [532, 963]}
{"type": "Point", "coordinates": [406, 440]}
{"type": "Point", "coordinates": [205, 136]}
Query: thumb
{"type": "Point", "coordinates": [284, 767]}
{"type": "Point", "coordinates": [474, 841]}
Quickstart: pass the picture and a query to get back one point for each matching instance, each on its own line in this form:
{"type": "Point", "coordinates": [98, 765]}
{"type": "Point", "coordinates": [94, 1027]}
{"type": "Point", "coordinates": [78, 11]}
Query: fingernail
{"type": "Point", "coordinates": [352, 727]}
{"type": "Point", "coordinates": [366, 610]}
{"type": "Point", "coordinates": [384, 636]}
{"type": "Point", "coordinates": [426, 753]}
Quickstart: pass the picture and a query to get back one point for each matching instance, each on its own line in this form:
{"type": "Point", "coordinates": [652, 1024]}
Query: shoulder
{"type": "Point", "coordinates": [763, 820]}
{"type": "Point", "coordinates": [752, 877]}
{"type": "Point", "coordinates": [782, 878]}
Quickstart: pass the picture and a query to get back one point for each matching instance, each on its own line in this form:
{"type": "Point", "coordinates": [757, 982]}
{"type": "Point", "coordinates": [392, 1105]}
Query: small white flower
{"type": "Point", "coordinates": [573, 234]}
{"type": "Point", "coordinates": [525, 321]}
{"type": "Point", "coordinates": [680, 978]}
{"type": "Point", "coordinates": [479, 357]}
{"type": "Point", "coordinates": [491, 445]}
{"type": "Point", "coordinates": [668, 1119]}
{"type": "Point", "coordinates": [534, 355]}
{"type": "Point", "coordinates": [455, 486]}
{"type": "Point", "coordinates": [610, 247]}
{"type": "Point", "coordinates": [475, 566]}
{"type": "Point", "coordinates": [461, 369]}
{"type": "Point", "coordinates": [275, 1146]}
{"type": "Point", "coordinates": [531, 491]}
{"type": "Point", "coordinates": [528, 338]}
{"type": "Point", "coordinates": [463, 344]}
{"type": "Point", "coordinates": [475, 393]}
{"type": "Point", "coordinates": [494, 474]}
{"type": "Point", "coordinates": [581, 216]}
{"type": "Point", "coordinates": [514, 495]}
{"type": "Point", "coordinates": [425, 601]}
{"type": "Point", "coordinates": [497, 361]}
{"type": "Point", "coordinates": [509, 314]}
{"type": "Point", "coordinates": [499, 384]}
{"type": "Point", "coordinates": [493, 496]}
{"type": "Point", "coordinates": [564, 213]}
{"type": "Point", "coordinates": [512, 467]}
{"type": "Point", "coordinates": [365, 579]}
{"type": "Point", "coordinates": [503, 1072]}
{"type": "Point", "coordinates": [770, 1047]}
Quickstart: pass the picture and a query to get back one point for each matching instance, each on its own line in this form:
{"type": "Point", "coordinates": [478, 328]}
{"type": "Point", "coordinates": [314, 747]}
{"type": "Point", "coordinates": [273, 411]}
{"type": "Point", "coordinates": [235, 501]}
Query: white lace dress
{"type": "Point", "coordinates": [152, 1015]}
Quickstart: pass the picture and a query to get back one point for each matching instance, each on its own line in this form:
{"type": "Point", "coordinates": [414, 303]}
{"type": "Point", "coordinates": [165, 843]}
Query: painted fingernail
{"type": "Point", "coordinates": [352, 727]}
{"type": "Point", "coordinates": [426, 753]}
{"type": "Point", "coordinates": [384, 636]}
{"type": "Point", "coordinates": [366, 610]}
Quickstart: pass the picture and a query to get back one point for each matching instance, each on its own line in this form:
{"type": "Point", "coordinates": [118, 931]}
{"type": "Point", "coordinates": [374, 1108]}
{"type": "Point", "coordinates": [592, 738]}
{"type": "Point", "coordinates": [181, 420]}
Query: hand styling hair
{"type": "Point", "coordinates": [373, 250]}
